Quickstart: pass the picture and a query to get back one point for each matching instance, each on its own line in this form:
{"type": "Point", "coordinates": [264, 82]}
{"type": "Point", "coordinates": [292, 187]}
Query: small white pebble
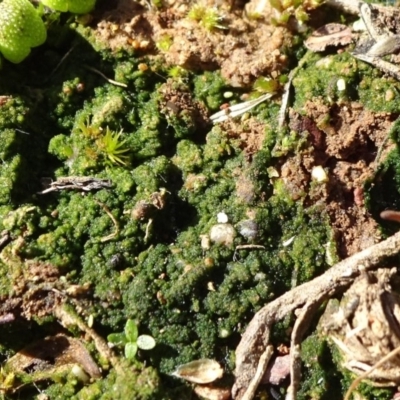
{"type": "Point", "coordinates": [222, 218]}
{"type": "Point", "coordinates": [205, 242]}
{"type": "Point", "coordinates": [223, 333]}
{"type": "Point", "coordinates": [248, 229]}
{"type": "Point", "coordinates": [210, 286]}
{"type": "Point", "coordinates": [341, 84]}
{"type": "Point", "coordinates": [80, 373]}
{"type": "Point", "coordinates": [318, 174]}
{"type": "Point", "coordinates": [389, 95]}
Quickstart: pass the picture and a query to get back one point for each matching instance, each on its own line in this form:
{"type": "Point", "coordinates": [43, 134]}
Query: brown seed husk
{"type": "Point", "coordinates": [200, 371]}
{"type": "Point", "coordinates": [213, 393]}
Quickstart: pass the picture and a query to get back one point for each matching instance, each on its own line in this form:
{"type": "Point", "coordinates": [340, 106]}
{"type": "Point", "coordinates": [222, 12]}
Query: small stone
{"type": "Point", "coordinates": [389, 95]}
{"type": "Point", "coordinates": [222, 218]}
{"type": "Point", "coordinates": [248, 229]}
{"type": "Point", "coordinates": [341, 85]}
{"type": "Point", "coordinates": [222, 234]}
{"type": "Point", "coordinates": [318, 174]}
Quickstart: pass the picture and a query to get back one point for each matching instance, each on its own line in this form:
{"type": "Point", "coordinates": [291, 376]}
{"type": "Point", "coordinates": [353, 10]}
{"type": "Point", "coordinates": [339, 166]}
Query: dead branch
{"type": "Point", "coordinates": [255, 340]}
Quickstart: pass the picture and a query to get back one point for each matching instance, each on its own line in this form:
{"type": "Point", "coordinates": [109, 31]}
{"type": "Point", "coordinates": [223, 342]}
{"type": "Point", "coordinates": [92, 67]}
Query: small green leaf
{"type": "Point", "coordinates": [118, 339]}
{"type": "Point", "coordinates": [130, 350]}
{"type": "Point", "coordinates": [131, 331]}
{"type": "Point", "coordinates": [146, 342]}
{"type": "Point", "coordinates": [74, 6]}
{"type": "Point", "coordinates": [20, 29]}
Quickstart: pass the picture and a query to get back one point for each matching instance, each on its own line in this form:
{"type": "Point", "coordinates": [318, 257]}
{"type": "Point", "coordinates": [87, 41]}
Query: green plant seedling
{"type": "Point", "coordinates": [207, 17]}
{"type": "Point", "coordinates": [131, 340]}
{"type": "Point", "coordinates": [113, 147]}
{"type": "Point", "coordinates": [74, 6]}
{"type": "Point", "coordinates": [21, 28]}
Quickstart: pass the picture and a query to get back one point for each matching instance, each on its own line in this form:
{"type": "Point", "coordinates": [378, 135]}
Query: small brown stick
{"type": "Point", "coordinates": [247, 247]}
{"type": "Point", "coordinates": [256, 337]}
{"type": "Point", "coordinates": [355, 383]}
{"type": "Point", "coordinates": [300, 327]}
{"type": "Point", "coordinates": [390, 215]}
{"type": "Point", "coordinates": [115, 222]}
{"type": "Point", "coordinates": [261, 368]}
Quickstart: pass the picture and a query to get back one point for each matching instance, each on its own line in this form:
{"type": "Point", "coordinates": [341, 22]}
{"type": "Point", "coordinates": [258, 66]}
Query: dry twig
{"type": "Point", "coordinates": [365, 375]}
{"type": "Point", "coordinates": [113, 219]}
{"type": "Point", "coordinates": [256, 338]}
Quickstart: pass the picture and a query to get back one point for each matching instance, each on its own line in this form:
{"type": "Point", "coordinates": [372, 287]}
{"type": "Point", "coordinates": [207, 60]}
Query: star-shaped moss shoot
{"type": "Point", "coordinates": [74, 6]}
{"type": "Point", "coordinates": [20, 29]}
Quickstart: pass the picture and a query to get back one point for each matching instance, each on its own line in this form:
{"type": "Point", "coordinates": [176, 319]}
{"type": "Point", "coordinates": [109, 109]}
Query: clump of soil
{"type": "Point", "coordinates": [243, 49]}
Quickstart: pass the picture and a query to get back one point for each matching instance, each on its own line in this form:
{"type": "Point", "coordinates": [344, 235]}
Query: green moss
{"type": "Point", "coordinates": [383, 190]}
{"type": "Point", "coordinates": [194, 300]}
{"type": "Point", "coordinates": [209, 87]}
{"type": "Point", "coordinates": [188, 157]}
{"type": "Point", "coordinates": [321, 378]}
{"type": "Point", "coordinates": [312, 81]}
{"type": "Point", "coordinates": [380, 93]}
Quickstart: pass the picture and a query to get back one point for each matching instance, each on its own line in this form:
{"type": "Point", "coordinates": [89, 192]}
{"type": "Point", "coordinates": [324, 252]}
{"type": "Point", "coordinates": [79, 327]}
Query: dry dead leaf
{"type": "Point", "coordinates": [51, 354]}
{"type": "Point", "coordinates": [329, 35]}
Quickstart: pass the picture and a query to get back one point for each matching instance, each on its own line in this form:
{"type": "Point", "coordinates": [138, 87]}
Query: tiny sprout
{"type": "Point", "coordinates": [131, 341]}
{"type": "Point", "coordinates": [265, 85]}
{"type": "Point", "coordinates": [113, 147]}
{"type": "Point", "coordinates": [164, 42]}
{"type": "Point", "coordinates": [209, 18]}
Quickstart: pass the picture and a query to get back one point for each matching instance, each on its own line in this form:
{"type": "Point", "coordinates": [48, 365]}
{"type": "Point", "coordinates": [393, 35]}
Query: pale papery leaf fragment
{"type": "Point", "coordinates": [329, 35]}
{"type": "Point", "coordinates": [200, 371]}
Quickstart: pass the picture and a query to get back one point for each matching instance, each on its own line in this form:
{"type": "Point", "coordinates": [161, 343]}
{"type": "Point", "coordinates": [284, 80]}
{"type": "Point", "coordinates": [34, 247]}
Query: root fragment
{"type": "Point", "coordinates": [255, 340]}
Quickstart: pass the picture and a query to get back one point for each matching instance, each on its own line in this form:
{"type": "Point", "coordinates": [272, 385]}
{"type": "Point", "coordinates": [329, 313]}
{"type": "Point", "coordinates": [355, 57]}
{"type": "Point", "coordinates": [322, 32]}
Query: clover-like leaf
{"type": "Point", "coordinates": [130, 350]}
{"type": "Point", "coordinates": [131, 331]}
{"type": "Point", "coordinates": [74, 6]}
{"type": "Point", "coordinates": [117, 339]}
{"type": "Point", "coordinates": [21, 28]}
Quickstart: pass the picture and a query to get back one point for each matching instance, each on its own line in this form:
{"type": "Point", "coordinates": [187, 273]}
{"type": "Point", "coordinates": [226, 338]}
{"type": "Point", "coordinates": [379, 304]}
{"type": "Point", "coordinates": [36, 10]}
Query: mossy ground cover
{"type": "Point", "coordinates": [138, 245]}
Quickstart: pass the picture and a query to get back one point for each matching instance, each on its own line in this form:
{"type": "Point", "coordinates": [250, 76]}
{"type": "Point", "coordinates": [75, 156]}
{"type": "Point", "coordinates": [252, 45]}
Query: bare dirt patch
{"type": "Point", "coordinates": [345, 140]}
{"type": "Point", "coordinates": [243, 51]}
